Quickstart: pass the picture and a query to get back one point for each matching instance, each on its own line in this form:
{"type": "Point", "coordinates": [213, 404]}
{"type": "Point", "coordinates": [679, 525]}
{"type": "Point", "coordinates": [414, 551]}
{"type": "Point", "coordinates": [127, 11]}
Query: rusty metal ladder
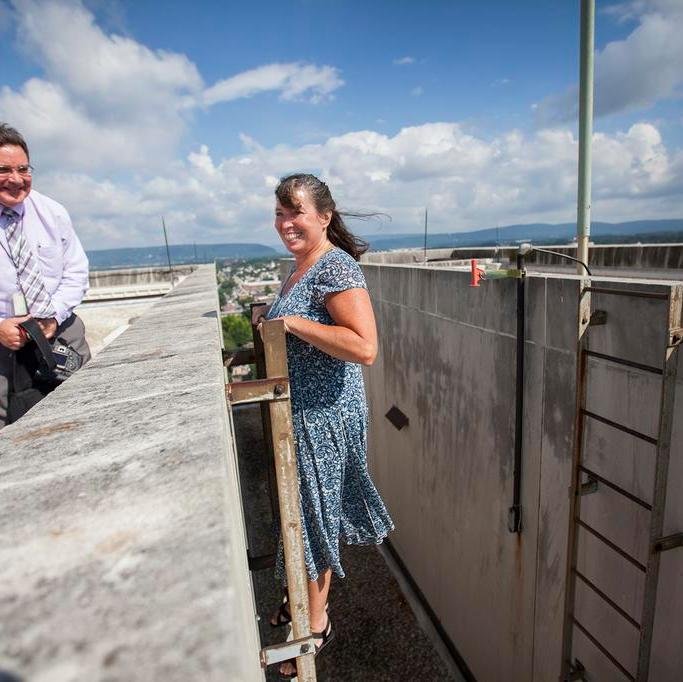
{"type": "Point", "coordinates": [573, 669]}
{"type": "Point", "coordinates": [272, 390]}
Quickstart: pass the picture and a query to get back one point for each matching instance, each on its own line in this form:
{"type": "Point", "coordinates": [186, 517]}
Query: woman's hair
{"type": "Point", "coordinates": [319, 192]}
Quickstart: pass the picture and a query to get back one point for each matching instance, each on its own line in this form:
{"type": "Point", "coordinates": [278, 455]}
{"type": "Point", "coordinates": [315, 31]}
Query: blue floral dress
{"type": "Point", "coordinates": [338, 498]}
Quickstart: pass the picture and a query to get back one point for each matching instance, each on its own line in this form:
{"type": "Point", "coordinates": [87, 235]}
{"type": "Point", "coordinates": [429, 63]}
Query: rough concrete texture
{"type": "Point", "coordinates": [378, 638]}
{"type": "Point", "coordinates": [121, 535]}
{"type": "Point", "coordinates": [447, 360]}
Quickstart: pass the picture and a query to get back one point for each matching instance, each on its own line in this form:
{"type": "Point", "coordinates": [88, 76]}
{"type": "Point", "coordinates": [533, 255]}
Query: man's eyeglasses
{"type": "Point", "coordinates": [24, 171]}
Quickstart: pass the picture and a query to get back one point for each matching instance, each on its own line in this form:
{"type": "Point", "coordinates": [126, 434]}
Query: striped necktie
{"type": "Point", "coordinates": [38, 301]}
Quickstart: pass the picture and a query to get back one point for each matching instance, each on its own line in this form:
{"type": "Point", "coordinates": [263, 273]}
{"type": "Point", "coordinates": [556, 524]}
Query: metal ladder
{"type": "Point", "coordinates": [272, 390]}
{"type": "Point", "coordinates": [573, 669]}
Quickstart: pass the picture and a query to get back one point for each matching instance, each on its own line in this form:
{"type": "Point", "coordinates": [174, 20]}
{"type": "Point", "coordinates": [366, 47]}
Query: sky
{"type": "Point", "coordinates": [192, 111]}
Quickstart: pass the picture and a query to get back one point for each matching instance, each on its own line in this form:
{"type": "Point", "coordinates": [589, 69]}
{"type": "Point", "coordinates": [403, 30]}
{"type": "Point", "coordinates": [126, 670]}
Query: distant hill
{"type": "Point", "coordinates": [108, 259]}
{"type": "Point", "coordinates": [538, 233]}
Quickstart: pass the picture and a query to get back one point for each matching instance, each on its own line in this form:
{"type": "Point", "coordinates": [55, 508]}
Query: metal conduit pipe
{"type": "Point", "coordinates": [515, 511]}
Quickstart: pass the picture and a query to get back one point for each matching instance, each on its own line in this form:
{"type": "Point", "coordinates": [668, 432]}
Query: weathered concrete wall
{"type": "Point", "coordinates": [133, 276]}
{"type": "Point", "coordinates": [638, 256]}
{"type": "Point", "coordinates": [447, 360]}
{"type": "Point", "coordinates": [122, 552]}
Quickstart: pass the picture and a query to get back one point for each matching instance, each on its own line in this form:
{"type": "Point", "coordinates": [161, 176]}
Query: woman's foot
{"type": "Point", "coordinates": [283, 616]}
{"type": "Point", "coordinates": [322, 639]}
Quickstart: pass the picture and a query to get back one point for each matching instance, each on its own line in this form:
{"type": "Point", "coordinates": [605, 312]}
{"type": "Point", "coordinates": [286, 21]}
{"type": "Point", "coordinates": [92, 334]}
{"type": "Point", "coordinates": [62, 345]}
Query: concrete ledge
{"type": "Point", "coordinates": [122, 551]}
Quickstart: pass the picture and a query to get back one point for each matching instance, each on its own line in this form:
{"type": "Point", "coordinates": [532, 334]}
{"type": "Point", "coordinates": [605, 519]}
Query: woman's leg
{"type": "Point", "coordinates": [318, 592]}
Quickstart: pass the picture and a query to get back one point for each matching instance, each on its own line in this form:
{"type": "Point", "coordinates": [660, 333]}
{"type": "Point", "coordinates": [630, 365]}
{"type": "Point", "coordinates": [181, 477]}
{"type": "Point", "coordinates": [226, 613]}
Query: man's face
{"type": "Point", "coordinates": [14, 188]}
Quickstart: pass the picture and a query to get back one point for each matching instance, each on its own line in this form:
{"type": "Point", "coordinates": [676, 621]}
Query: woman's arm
{"type": "Point", "coordinates": [353, 337]}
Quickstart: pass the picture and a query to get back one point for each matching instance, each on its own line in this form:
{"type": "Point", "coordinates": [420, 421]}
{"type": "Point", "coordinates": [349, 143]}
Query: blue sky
{"type": "Point", "coordinates": [192, 111]}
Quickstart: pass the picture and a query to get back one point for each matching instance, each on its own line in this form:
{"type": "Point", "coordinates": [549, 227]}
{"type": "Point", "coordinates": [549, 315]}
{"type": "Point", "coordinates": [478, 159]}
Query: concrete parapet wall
{"type": "Point", "coordinates": [638, 256]}
{"type": "Point", "coordinates": [447, 360]}
{"type": "Point", "coordinates": [136, 276]}
{"type": "Point", "coordinates": [122, 550]}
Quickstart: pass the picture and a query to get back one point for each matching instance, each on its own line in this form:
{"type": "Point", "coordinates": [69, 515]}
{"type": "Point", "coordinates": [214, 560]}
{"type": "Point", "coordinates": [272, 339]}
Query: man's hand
{"type": "Point", "coordinates": [48, 325]}
{"type": "Point", "coordinates": [12, 336]}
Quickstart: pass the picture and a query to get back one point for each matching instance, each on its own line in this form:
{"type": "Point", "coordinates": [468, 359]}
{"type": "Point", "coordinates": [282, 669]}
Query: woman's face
{"type": "Point", "coordinates": [302, 229]}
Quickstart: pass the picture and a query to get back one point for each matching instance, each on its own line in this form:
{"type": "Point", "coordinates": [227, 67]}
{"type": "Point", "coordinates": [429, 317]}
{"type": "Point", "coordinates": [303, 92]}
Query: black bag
{"type": "Point", "coordinates": [37, 369]}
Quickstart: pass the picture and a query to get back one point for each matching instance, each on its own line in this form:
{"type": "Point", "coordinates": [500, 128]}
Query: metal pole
{"type": "Point", "coordinates": [585, 130]}
{"type": "Point", "coordinates": [168, 252]}
{"type": "Point", "coordinates": [425, 249]}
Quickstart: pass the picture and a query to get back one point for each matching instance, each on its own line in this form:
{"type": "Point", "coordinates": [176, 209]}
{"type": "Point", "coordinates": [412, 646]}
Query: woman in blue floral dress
{"type": "Point", "coordinates": [331, 332]}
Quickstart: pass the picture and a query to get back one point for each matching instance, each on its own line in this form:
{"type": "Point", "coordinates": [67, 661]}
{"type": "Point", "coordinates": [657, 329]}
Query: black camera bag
{"type": "Point", "coordinates": [33, 372]}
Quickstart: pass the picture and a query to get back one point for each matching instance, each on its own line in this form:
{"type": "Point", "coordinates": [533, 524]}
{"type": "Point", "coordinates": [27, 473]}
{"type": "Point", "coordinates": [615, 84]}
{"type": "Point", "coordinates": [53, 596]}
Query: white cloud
{"type": "Point", "coordinates": [404, 61]}
{"type": "Point", "coordinates": [108, 102]}
{"type": "Point", "coordinates": [293, 81]}
{"type": "Point", "coordinates": [631, 73]}
{"type": "Point", "coordinates": [104, 101]}
{"type": "Point", "coordinates": [468, 182]}
{"type": "Point", "coordinates": [417, 91]}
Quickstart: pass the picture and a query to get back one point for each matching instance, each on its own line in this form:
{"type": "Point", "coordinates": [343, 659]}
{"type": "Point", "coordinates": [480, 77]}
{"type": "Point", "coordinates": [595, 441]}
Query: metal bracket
{"type": "Point", "coordinates": [515, 518]}
{"type": "Point", "coordinates": [238, 356]}
{"type": "Point", "coordinates": [257, 390]}
{"type": "Point", "coordinates": [589, 487]}
{"type": "Point", "coordinates": [576, 672]}
{"type": "Point", "coordinates": [675, 337]}
{"type": "Point", "coordinates": [669, 542]}
{"type": "Point", "coordinates": [510, 273]}
{"type": "Point", "coordinates": [598, 317]}
{"type": "Point", "coordinates": [276, 653]}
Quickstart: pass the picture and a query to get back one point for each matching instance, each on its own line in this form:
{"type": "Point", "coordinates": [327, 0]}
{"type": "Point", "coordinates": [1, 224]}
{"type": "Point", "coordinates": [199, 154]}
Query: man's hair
{"type": "Point", "coordinates": [11, 137]}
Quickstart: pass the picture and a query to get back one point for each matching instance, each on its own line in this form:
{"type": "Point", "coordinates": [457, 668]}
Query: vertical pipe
{"type": "Point", "coordinates": [585, 131]}
{"type": "Point", "coordinates": [425, 249]}
{"type": "Point", "coordinates": [515, 512]}
{"type": "Point", "coordinates": [168, 252]}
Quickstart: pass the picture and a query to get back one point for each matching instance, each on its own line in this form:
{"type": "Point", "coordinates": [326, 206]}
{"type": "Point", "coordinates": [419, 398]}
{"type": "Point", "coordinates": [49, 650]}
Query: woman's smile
{"type": "Point", "coordinates": [300, 226]}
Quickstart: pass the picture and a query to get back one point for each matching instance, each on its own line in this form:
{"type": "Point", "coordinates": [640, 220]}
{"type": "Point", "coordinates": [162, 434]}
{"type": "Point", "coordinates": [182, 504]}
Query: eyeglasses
{"type": "Point", "coordinates": [24, 171]}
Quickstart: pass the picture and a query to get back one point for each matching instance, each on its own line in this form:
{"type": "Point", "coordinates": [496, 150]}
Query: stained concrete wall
{"type": "Point", "coordinates": [447, 360]}
{"type": "Point", "coordinates": [122, 550]}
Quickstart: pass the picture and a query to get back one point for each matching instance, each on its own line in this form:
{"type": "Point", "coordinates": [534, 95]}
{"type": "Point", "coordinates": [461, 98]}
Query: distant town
{"type": "Point", "coordinates": [245, 281]}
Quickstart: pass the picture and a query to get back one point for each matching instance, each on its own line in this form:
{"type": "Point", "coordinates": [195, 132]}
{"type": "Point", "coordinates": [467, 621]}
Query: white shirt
{"type": "Point", "coordinates": [54, 243]}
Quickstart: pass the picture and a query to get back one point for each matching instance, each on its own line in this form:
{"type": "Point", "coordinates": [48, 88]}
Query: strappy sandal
{"type": "Point", "coordinates": [326, 636]}
{"type": "Point", "coordinates": [283, 615]}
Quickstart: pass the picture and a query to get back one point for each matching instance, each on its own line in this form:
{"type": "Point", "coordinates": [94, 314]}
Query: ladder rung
{"type": "Point", "coordinates": [635, 294]}
{"type": "Point", "coordinates": [615, 487]}
{"type": "Point", "coordinates": [621, 427]}
{"type": "Point", "coordinates": [603, 651]}
{"type": "Point", "coordinates": [623, 361]}
{"type": "Point", "coordinates": [611, 545]}
{"type": "Point", "coordinates": [612, 603]}
{"type": "Point", "coordinates": [669, 542]}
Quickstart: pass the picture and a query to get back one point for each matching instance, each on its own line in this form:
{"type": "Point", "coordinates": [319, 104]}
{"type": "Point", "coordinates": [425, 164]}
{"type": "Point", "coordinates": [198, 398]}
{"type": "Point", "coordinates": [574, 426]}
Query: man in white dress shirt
{"type": "Point", "coordinates": [60, 259]}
